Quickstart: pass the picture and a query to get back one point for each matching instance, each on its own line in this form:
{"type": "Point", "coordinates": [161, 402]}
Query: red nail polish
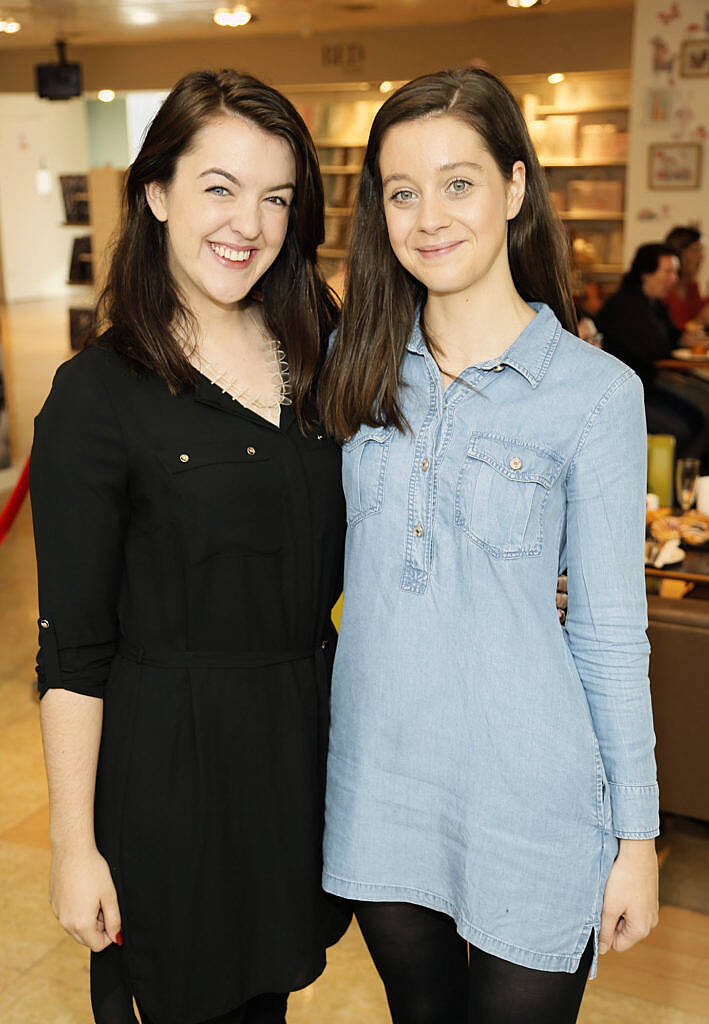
{"type": "Point", "coordinates": [119, 938]}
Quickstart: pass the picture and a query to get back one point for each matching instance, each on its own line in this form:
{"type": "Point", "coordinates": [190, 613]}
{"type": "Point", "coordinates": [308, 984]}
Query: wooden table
{"type": "Point", "coordinates": [682, 365]}
{"type": "Point", "coordinates": [694, 568]}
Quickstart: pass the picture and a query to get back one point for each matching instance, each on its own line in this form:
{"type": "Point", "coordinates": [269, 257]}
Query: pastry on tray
{"type": "Point", "coordinates": [666, 528]}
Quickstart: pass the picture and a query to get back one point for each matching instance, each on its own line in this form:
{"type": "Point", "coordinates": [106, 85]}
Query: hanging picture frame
{"type": "Point", "coordinates": [694, 58]}
{"type": "Point", "coordinates": [674, 165]}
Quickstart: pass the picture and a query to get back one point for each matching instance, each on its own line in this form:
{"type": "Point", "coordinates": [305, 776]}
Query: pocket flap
{"type": "Point", "coordinates": [182, 460]}
{"type": "Point", "coordinates": [521, 461]}
{"type": "Point", "coordinates": [366, 433]}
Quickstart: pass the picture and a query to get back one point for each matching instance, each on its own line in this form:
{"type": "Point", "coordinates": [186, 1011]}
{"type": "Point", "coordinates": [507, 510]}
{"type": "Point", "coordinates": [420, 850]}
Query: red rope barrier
{"type": "Point", "coordinates": [14, 502]}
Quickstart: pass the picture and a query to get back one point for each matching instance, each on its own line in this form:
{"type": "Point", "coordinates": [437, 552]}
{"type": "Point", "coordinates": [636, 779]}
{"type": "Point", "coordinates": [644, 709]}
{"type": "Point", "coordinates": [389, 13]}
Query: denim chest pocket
{"type": "Point", "coordinates": [502, 489]}
{"type": "Point", "coordinates": [364, 462]}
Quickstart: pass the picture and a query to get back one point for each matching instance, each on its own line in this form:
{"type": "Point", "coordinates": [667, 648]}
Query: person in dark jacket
{"type": "Point", "coordinates": [637, 328]}
{"type": "Point", "coordinates": [189, 524]}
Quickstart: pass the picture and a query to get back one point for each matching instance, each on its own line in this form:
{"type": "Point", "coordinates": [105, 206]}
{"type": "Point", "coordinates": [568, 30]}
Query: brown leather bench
{"type": "Point", "coordinates": [679, 676]}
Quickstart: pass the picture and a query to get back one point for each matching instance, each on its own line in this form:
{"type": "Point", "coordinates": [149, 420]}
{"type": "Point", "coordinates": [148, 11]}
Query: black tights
{"type": "Point", "coordinates": [266, 1009]}
{"type": "Point", "coordinates": [432, 976]}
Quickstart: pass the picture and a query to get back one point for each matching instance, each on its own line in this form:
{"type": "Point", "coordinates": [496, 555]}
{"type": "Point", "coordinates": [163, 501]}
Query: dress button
{"type": "Point", "coordinates": [424, 465]}
{"type": "Point", "coordinates": [251, 450]}
{"type": "Point", "coordinates": [418, 530]}
{"type": "Point", "coordinates": [498, 369]}
{"type": "Point", "coordinates": [515, 463]}
{"type": "Point", "coordinates": [184, 458]}
{"type": "Point", "coordinates": [44, 623]}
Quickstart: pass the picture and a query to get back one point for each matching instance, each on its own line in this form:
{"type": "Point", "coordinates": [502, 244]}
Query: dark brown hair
{"type": "Point", "coordinates": [141, 299]}
{"type": "Point", "coordinates": [361, 379]}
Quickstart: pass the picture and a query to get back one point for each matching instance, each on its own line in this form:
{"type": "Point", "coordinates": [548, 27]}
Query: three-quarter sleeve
{"type": "Point", "coordinates": [607, 616]}
{"type": "Point", "coordinates": [79, 492]}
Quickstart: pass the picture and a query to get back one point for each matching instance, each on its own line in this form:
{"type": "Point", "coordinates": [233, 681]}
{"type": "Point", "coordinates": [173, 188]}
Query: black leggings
{"type": "Point", "coordinates": [432, 976]}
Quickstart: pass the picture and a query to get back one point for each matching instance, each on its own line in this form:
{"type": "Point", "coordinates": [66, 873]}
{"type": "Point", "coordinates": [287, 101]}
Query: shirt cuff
{"type": "Point", "coordinates": [635, 811]}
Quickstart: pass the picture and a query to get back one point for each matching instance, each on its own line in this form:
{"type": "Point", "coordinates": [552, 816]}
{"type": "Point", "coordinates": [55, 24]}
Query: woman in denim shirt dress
{"type": "Point", "coordinates": [492, 796]}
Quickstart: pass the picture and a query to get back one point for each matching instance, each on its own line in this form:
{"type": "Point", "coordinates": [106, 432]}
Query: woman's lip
{"type": "Point", "coordinates": [233, 264]}
{"type": "Point", "coordinates": [438, 250]}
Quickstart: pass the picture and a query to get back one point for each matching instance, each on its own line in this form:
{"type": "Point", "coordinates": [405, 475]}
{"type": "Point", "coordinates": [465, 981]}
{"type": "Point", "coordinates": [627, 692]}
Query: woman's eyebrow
{"type": "Point", "coordinates": [235, 181]}
{"type": "Point", "coordinates": [443, 167]}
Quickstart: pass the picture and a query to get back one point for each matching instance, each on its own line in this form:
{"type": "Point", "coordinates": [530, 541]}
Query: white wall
{"type": "Point", "coordinates": [36, 249]}
{"type": "Point", "coordinates": [660, 29]}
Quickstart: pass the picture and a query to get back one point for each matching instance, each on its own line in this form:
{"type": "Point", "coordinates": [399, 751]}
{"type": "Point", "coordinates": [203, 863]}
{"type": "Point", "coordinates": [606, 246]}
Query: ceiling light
{"type": "Point", "coordinates": [521, 3]}
{"type": "Point", "coordinates": [106, 95]}
{"type": "Point", "coordinates": [142, 17]}
{"type": "Point", "coordinates": [234, 18]}
{"type": "Point", "coordinates": [555, 78]}
{"type": "Point", "coordinates": [10, 26]}
{"type": "Point", "coordinates": [386, 87]}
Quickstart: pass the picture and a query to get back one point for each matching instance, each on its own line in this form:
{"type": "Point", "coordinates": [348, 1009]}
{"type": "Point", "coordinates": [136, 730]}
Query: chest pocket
{"type": "Point", "coordinates": [364, 462]}
{"type": "Point", "coordinates": [501, 493]}
{"type": "Point", "coordinates": [229, 498]}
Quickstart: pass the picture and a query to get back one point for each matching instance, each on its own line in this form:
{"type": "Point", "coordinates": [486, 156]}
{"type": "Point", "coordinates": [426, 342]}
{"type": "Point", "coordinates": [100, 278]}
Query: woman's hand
{"type": "Point", "coordinates": [83, 898]}
{"type": "Point", "coordinates": [630, 902]}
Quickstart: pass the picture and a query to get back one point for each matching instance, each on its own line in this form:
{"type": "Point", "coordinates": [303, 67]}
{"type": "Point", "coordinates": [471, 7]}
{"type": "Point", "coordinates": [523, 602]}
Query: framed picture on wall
{"type": "Point", "coordinates": [674, 165]}
{"type": "Point", "coordinates": [694, 58]}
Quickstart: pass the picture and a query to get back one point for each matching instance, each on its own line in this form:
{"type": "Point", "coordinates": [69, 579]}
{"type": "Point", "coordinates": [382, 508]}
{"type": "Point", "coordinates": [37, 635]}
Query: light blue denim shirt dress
{"type": "Point", "coordinates": [483, 758]}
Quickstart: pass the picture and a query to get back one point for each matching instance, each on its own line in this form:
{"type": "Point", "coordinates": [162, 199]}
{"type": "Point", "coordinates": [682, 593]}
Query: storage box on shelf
{"type": "Point", "coordinates": [583, 146]}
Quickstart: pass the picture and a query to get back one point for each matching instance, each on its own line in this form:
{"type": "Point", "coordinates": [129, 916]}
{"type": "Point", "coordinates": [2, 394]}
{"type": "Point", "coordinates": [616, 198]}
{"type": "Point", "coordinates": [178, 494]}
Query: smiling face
{"type": "Point", "coordinates": [447, 204]}
{"type": "Point", "coordinates": [225, 211]}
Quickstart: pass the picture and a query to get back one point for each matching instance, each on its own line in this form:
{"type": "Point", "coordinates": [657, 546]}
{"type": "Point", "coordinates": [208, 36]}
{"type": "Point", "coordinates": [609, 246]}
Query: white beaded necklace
{"type": "Point", "coordinates": [257, 401]}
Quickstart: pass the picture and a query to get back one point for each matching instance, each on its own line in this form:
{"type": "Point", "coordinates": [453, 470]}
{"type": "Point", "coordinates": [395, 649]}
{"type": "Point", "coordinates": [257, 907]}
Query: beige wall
{"type": "Point", "coordinates": [652, 212]}
{"type": "Point", "coordinates": [541, 42]}
{"type": "Point", "coordinates": [35, 247]}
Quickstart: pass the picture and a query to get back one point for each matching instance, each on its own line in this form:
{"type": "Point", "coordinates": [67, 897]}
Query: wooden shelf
{"type": "Point", "coordinates": [591, 215]}
{"type": "Point", "coordinates": [344, 143]}
{"type": "Point", "coordinates": [603, 269]}
{"type": "Point", "coordinates": [334, 254]}
{"type": "Point", "coordinates": [340, 169]}
{"type": "Point", "coordinates": [578, 162]}
{"type": "Point", "coordinates": [600, 108]}
{"type": "Point", "coordinates": [338, 211]}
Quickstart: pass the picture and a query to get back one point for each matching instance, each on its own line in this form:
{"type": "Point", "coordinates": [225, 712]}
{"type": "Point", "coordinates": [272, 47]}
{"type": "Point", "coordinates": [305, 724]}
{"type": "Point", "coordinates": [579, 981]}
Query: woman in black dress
{"type": "Point", "coordinates": [189, 528]}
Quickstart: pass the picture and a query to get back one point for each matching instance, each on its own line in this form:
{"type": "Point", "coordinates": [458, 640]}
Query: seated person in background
{"type": "Point", "coordinates": [685, 303]}
{"type": "Point", "coordinates": [637, 328]}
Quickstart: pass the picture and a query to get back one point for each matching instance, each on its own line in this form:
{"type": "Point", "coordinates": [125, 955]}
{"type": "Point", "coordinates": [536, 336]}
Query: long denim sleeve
{"type": "Point", "coordinates": [607, 619]}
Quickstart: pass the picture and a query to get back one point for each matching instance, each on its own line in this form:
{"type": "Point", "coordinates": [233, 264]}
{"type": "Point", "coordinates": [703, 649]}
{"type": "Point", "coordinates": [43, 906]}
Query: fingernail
{"type": "Point", "coordinates": [602, 947]}
{"type": "Point", "coordinates": [119, 938]}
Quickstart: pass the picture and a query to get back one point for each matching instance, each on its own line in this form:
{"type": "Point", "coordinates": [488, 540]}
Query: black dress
{"type": "Point", "coordinates": [189, 553]}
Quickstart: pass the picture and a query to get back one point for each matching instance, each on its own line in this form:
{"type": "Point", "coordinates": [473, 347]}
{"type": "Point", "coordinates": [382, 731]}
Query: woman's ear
{"type": "Point", "coordinates": [515, 189]}
{"type": "Point", "coordinates": [155, 196]}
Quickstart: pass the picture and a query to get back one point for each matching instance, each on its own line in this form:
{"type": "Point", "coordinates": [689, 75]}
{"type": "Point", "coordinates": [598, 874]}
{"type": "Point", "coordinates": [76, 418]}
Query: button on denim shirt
{"type": "Point", "coordinates": [484, 759]}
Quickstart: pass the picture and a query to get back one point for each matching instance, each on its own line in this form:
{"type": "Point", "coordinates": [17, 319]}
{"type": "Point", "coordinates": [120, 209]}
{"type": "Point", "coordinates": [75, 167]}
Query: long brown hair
{"type": "Point", "coordinates": [361, 379]}
{"type": "Point", "coordinates": [141, 299]}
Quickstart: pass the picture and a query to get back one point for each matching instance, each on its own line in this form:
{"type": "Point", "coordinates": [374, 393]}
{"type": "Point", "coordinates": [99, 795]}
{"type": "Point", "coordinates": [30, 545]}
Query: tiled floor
{"type": "Point", "coordinates": [43, 973]}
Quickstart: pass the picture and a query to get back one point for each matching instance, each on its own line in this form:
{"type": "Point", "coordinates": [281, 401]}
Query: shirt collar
{"type": "Point", "coordinates": [530, 354]}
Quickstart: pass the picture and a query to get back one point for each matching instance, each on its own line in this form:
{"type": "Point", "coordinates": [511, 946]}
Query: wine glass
{"type": "Point", "coordinates": [686, 473]}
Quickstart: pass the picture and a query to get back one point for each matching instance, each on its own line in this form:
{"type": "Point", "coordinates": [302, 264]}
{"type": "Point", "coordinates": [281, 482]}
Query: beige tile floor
{"type": "Point", "coordinates": [43, 973]}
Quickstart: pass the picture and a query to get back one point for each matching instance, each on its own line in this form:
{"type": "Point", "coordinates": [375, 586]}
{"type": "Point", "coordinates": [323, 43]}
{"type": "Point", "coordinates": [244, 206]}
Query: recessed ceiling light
{"type": "Point", "coordinates": [521, 3]}
{"type": "Point", "coordinates": [234, 18]}
{"type": "Point", "coordinates": [142, 17]}
{"type": "Point", "coordinates": [106, 95]}
{"type": "Point", "coordinates": [555, 78]}
{"type": "Point", "coordinates": [10, 26]}
{"type": "Point", "coordinates": [386, 87]}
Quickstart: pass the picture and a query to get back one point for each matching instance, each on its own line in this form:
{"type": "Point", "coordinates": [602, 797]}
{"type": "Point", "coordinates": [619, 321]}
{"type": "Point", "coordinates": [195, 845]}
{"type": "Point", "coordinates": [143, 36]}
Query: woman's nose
{"type": "Point", "coordinates": [432, 213]}
{"type": "Point", "coordinates": [246, 219]}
